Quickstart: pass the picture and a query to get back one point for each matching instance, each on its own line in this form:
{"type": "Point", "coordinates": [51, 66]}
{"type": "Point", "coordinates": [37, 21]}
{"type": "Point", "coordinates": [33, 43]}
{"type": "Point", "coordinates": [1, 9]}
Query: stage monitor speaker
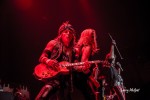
{"type": "Point", "coordinates": [6, 96]}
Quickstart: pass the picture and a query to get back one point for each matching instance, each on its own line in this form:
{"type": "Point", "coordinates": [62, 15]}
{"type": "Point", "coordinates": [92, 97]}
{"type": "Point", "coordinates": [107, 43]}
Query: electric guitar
{"type": "Point", "coordinates": [42, 71]}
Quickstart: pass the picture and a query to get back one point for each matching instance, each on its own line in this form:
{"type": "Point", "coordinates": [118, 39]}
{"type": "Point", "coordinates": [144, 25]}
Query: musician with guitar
{"type": "Point", "coordinates": [57, 50]}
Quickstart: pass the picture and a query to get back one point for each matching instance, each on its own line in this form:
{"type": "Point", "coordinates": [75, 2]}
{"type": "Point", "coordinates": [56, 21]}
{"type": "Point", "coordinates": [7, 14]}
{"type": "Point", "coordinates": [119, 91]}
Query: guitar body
{"type": "Point", "coordinates": [43, 72]}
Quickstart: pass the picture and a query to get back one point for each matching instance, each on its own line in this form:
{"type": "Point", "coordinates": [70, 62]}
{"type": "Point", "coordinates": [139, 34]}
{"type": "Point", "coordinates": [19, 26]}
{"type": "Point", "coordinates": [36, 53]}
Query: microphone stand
{"type": "Point", "coordinates": [116, 46]}
{"type": "Point", "coordinates": [118, 52]}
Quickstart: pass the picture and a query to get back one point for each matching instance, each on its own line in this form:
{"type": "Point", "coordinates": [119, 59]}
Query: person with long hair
{"type": "Point", "coordinates": [58, 50]}
{"type": "Point", "coordinates": [87, 48]}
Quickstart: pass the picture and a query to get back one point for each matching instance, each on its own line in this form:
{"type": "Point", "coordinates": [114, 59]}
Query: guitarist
{"type": "Point", "coordinates": [57, 50]}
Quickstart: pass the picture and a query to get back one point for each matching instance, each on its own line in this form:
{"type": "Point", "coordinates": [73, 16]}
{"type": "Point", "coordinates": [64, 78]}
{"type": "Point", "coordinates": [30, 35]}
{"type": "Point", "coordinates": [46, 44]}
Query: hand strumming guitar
{"type": "Point", "coordinates": [52, 64]}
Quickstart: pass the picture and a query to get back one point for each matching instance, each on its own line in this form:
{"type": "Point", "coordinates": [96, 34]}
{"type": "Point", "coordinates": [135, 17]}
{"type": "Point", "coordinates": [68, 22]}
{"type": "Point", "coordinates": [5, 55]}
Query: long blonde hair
{"type": "Point", "coordinates": [84, 39]}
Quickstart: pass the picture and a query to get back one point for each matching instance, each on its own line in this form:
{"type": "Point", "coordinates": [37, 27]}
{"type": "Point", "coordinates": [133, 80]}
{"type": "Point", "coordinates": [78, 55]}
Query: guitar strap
{"type": "Point", "coordinates": [57, 50]}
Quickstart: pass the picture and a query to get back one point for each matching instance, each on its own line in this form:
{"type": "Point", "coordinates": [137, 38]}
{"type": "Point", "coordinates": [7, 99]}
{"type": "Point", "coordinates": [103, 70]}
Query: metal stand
{"type": "Point", "coordinates": [116, 46]}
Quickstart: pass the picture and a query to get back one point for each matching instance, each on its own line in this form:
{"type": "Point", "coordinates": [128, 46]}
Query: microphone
{"type": "Point", "coordinates": [119, 65]}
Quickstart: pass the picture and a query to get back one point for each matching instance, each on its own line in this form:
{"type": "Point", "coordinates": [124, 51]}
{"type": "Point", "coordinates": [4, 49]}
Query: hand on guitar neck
{"type": "Point", "coordinates": [86, 67]}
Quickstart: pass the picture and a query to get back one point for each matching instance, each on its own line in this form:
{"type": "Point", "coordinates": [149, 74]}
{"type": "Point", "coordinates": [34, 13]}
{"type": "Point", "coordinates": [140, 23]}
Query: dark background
{"type": "Point", "coordinates": [27, 25]}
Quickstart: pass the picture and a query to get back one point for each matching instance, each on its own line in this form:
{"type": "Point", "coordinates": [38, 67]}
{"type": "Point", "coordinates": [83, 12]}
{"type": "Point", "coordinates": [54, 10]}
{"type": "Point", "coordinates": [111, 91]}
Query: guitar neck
{"type": "Point", "coordinates": [82, 63]}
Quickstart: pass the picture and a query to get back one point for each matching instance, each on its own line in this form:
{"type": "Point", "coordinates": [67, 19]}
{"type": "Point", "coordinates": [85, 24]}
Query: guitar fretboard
{"type": "Point", "coordinates": [81, 63]}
